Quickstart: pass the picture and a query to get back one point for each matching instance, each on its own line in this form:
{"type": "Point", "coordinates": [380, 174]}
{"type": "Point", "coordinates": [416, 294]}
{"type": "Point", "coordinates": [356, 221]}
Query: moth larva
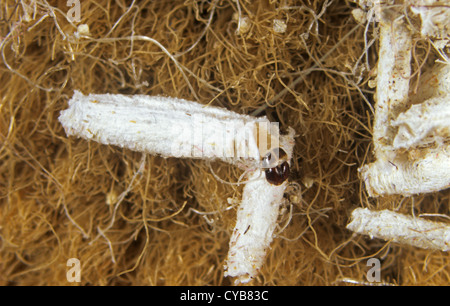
{"type": "Point", "coordinates": [173, 127]}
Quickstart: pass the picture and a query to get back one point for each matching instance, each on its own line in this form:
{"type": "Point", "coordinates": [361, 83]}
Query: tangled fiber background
{"type": "Point", "coordinates": [133, 219]}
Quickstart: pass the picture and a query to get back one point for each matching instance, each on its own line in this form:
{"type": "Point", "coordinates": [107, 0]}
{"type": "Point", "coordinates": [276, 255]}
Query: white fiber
{"type": "Point", "coordinates": [256, 220]}
{"type": "Point", "coordinates": [401, 228]}
{"type": "Point", "coordinates": [163, 126]}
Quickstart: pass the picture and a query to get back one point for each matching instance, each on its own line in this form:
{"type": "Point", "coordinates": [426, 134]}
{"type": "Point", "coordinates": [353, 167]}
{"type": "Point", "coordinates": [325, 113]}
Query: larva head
{"type": "Point", "coordinates": [277, 167]}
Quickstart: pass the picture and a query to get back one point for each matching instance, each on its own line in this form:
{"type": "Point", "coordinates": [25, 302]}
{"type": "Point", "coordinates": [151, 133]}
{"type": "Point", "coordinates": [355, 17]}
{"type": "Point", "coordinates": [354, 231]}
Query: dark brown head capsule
{"type": "Point", "coordinates": [277, 175]}
{"type": "Point", "coordinates": [276, 165]}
